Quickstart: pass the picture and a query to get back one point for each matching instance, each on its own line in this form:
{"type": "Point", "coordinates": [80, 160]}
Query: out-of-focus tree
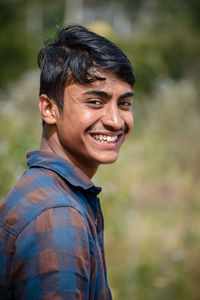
{"type": "Point", "coordinates": [13, 46]}
{"type": "Point", "coordinates": [24, 24]}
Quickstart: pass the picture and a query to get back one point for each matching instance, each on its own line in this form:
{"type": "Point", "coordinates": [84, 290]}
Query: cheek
{"type": "Point", "coordinates": [81, 115]}
{"type": "Point", "coordinates": [86, 115]}
{"type": "Point", "coordinates": [129, 121]}
{"type": "Point", "coordinates": [132, 122]}
{"type": "Point", "coordinates": [87, 119]}
{"type": "Point", "coordinates": [83, 121]}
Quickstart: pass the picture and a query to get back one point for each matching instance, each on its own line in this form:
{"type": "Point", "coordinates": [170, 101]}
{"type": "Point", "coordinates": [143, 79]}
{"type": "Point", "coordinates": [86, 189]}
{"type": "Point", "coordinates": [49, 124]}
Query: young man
{"type": "Point", "coordinates": [51, 233]}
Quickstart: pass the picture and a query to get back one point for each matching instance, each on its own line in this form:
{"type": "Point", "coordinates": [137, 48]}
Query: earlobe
{"type": "Point", "coordinates": [47, 109]}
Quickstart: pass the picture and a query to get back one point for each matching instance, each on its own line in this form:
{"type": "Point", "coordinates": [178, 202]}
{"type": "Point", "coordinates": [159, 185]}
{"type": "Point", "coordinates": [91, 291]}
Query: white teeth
{"type": "Point", "coordinates": [105, 138]}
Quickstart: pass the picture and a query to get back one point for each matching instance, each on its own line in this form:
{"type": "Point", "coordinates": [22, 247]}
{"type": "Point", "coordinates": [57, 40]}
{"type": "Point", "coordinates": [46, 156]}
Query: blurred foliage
{"type": "Point", "coordinates": [20, 128]}
{"type": "Point", "coordinates": [24, 26]}
{"type": "Point", "coordinates": [151, 195]}
{"type": "Point", "coordinates": [13, 49]}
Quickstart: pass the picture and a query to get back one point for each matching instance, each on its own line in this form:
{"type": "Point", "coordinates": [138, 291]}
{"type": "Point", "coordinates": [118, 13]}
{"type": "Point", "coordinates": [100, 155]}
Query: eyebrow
{"type": "Point", "coordinates": [108, 96]}
{"type": "Point", "coordinates": [126, 95]}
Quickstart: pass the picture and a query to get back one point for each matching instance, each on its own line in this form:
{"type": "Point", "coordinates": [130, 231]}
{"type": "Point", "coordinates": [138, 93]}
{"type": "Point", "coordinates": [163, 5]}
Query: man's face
{"type": "Point", "coordinates": [95, 121]}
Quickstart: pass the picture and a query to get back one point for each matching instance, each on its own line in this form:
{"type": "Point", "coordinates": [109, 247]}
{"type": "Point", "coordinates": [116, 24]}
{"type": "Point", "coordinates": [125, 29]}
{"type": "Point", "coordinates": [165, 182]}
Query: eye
{"type": "Point", "coordinates": [125, 103]}
{"type": "Point", "coordinates": [95, 103]}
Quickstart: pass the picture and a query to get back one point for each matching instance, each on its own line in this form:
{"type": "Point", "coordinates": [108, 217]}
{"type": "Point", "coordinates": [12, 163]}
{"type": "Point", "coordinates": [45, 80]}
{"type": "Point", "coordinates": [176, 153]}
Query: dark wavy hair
{"type": "Point", "coordinates": [72, 56]}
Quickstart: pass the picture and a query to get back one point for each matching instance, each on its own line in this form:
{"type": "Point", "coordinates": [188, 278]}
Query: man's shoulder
{"type": "Point", "coordinates": [36, 191]}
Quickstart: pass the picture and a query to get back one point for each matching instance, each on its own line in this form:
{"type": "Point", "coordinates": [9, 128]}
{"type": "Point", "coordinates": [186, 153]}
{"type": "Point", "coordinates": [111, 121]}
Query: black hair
{"type": "Point", "coordinates": [72, 56]}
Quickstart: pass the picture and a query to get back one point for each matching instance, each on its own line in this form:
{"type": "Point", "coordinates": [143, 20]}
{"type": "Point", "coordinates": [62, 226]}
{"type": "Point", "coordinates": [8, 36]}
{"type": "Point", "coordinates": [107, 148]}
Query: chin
{"type": "Point", "coordinates": [108, 160]}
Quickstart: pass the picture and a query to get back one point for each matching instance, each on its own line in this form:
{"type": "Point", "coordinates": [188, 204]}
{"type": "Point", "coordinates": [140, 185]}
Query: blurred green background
{"type": "Point", "coordinates": [151, 196]}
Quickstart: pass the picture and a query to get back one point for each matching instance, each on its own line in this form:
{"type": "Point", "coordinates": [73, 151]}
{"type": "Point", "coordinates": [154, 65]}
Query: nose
{"type": "Point", "coordinates": [112, 118]}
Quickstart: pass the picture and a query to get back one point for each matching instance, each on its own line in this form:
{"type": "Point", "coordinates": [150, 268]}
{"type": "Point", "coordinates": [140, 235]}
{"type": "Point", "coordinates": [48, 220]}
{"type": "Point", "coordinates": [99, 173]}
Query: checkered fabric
{"type": "Point", "coordinates": [51, 234]}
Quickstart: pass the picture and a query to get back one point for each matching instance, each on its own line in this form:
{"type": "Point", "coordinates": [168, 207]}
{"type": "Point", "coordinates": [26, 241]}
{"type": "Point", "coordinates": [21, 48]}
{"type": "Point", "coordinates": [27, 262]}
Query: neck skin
{"type": "Point", "coordinates": [50, 143]}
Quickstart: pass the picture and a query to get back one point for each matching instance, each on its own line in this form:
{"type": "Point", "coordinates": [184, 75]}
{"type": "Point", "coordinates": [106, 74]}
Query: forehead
{"type": "Point", "coordinates": [111, 84]}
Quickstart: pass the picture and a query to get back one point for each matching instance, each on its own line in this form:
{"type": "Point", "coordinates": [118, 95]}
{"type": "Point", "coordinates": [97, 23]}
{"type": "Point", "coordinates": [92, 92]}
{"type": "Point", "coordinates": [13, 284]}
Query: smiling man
{"type": "Point", "coordinates": [51, 232]}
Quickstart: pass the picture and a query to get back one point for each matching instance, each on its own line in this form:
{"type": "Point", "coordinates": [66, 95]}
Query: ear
{"type": "Point", "coordinates": [48, 109]}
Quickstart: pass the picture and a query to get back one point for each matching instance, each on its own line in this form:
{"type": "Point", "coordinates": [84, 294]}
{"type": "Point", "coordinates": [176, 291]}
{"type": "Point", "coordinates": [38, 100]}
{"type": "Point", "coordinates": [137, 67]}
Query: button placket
{"type": "Point", "coordinates": [94, 204]}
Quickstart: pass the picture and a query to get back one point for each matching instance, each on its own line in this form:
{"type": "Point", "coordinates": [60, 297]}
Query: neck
{"type": "Point", "coordinates": [51, 143]}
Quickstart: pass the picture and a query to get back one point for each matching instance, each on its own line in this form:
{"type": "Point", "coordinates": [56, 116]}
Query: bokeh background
{"type": "Point", "coordinates": [151, 196]}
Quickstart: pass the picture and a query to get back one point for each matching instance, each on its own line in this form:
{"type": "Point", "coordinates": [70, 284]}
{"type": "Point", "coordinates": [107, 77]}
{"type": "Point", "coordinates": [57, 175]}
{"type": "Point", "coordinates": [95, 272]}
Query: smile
{"type": "Point", "coordinates": [105, 138]}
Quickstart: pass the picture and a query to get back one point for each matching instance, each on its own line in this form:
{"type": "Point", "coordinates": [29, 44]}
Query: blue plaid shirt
{"type": "Point", "coordinates": [51, 234]}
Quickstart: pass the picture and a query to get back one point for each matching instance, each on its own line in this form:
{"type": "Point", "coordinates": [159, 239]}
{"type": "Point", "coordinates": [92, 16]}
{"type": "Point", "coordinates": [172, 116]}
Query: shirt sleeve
{"type": "Point", "coordinates": [53, 257]}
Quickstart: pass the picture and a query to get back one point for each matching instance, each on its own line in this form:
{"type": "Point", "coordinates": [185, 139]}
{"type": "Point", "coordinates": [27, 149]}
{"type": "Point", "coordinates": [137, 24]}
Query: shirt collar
{"type": "Point", "coordinates": [61, 166]}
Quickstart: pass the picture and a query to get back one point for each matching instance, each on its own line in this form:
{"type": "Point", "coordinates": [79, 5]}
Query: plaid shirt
{"type": "Point", "coordinates": [51, 234]}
